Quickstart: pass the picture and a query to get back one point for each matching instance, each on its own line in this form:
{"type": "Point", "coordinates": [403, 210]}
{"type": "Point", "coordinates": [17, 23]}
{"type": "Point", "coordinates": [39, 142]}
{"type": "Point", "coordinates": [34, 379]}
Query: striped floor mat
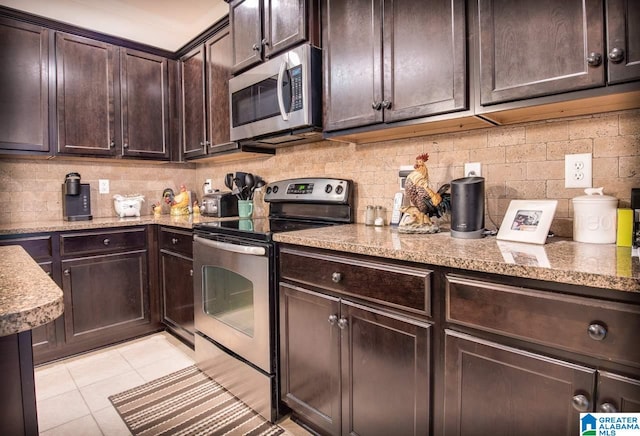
{"type": "Point", "coordinates": [188, 403]}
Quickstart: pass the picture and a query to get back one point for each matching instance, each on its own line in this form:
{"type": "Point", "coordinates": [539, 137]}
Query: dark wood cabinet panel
{"type": "Point", "coordinates": [284, 24]}
{"type": "Point", "coordinates": [86, 95]}
{"type": "Point", "coordinates": [194, 132]}
{"type": "Point", "coordinates": [425, 60]}
{"type": "Point", "coordinates": [623, 40]}
{"type": "Point", "coordinates": [245, 17]}
{"type": "Point", "coordinates": [310, 357]}
{"type": "Point", "coordinates": [352, 63]}
{"type": "Point", "coordinates": [144, 105]}
{"type": "Point", "coordinates": [539, 47]}
{"type": "Point", "coordinates": [84, 243]}
{"type": "Point", "coordinates": [497, 390]}
{"type": "Point", "coordinates": [104, 295]}
{"type": "Point", "coordinates": [24, 87]}
{"type": "Point", "coordinates": [219, 63]}
{"type": "Point", "coordinates": [176, 282]}
{"type": "Point", "coordinates": [385, 374]}
{"type": "Point", "coordinates": [617, 394]}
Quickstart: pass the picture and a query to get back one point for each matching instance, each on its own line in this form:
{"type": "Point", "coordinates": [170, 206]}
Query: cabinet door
{"type": "Point", "coordinates": [194, 129]}
{"type": "Point", "coordinates": [105, 295]}
{"type": "Point", "coordinates": [144, 105]}
{"type": "Point", "coordinates": [86, 77]}
{"type": "Point", "coordinates": [284, 24]}
{"type": "Point", "coordinates": [352, 63]}
{"type": "Point", "coordinates": [24, 87]}
{"type": "Point", "coordinates": [309, 356]}
{"type": "Point", "coordinates": [617, 394]}
{"type": "Point", "coordinates": [424, 58]}
{"type": "Point", "coordinates": [532, 48]}
{"type": "Point", "coordinates": [245, 17]}
{"type": "Point", "coordinates": [219, 65]}
{"type": "Point", "coordinates": [498, 390]}
{"type": "Point", "coordinates": [623, 40]}
{"type": "Point", "coordinates": [176, 281]}
{"type": "Point", "coordinates": [385, 373]}
{"type": "Point", "coordinates": [44, 338]}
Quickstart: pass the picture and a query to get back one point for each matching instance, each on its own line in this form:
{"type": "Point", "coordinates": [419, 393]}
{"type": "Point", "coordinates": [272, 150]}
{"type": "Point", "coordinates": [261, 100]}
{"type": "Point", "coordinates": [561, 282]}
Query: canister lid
{"type": "Point", "coordinates": [595, 195]}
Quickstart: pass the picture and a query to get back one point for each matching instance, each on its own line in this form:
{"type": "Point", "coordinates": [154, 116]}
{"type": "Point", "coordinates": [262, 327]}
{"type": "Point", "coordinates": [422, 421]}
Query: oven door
{"type": "Point", "coordinates": [231, 296]}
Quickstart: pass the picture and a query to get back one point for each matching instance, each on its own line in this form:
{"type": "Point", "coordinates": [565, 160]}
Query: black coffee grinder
{"type": "Point", "coordinates": [76, 199]}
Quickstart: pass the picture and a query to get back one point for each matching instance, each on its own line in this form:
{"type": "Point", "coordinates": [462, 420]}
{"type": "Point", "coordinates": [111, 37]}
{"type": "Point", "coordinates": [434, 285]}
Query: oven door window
{"type": "Point", "coordinates": [228, 297]}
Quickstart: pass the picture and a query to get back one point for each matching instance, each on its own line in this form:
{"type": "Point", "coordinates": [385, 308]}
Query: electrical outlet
{"type": "Point", "coordinates": [473, 169]}
{"type": "Point", "coordinates": [577, 170]}
{"type": "Point", "coordinates": [403, 172]}
{"type": "Point", "coordinates": [103, 186]}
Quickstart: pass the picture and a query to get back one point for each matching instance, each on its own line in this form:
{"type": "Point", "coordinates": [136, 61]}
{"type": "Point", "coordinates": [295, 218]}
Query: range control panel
{"type": "Point", "coordinates": [314, 190]}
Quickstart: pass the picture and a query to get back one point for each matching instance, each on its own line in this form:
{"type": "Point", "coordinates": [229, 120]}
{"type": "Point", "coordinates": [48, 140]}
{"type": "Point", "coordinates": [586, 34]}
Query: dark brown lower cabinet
{"type": "Point", "coordinates": [347, 368]}
{"type": "Point", "coordinates": [176, 274]}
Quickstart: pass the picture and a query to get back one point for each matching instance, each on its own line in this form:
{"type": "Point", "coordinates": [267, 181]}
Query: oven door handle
{"type": "Point", "coordinates": [283, 69]}
{"type": "Point", "coordinates": [226, 246]}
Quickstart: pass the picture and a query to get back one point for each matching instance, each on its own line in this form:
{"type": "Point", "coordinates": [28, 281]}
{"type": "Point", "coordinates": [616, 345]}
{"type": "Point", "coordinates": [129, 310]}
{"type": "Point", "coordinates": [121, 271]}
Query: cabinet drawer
{"type": "Point", "coordinates": [38, 247]}
{"type": "Point", "coordinates": [407, 288]}
{"type": "Point", "coordinates": [103, 241]}
{"type": "Point", "coordinates": [590, 326]}
{"type": "Point", "coordinates": [178, 241]}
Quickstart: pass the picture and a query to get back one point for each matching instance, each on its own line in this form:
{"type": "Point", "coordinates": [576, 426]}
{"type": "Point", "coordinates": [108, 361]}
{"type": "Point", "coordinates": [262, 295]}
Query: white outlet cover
{"type": "Point", "coordinates": [103, 186]}
{"type": "Point", "coordinates": [473, 169]}
{"type": "Point", "coordinates": [578, 170]}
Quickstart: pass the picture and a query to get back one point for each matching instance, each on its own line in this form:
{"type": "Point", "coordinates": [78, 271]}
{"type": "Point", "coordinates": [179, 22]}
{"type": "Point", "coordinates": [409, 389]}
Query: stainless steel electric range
{"type": "Point", "coordinates": [235, 286]}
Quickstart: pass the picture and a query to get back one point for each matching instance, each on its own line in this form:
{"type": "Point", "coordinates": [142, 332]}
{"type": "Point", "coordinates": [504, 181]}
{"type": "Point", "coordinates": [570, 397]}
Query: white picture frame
{"type": "Point", "coordinates": [527, 221]}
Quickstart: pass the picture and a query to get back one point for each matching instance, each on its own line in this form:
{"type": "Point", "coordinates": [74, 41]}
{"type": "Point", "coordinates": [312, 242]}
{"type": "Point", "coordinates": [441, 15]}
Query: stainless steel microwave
{"type": "Point", "coordinates": [279, 102]}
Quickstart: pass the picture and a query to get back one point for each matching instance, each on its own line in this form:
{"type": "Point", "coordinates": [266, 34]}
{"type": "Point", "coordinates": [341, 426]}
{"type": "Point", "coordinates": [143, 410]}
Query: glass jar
{"type": "Point", "coordinates": [380, 216]}
{"type": "Point", "coordinates": [369, 216]}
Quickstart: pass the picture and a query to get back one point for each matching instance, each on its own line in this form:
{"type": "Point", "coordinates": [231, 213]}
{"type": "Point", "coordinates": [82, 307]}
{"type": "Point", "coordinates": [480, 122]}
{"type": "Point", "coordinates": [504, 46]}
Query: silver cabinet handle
{"type": "Point", "coordinates": [125, 145]}
{"type": "Point", "coordinates": [342, 323]}
{"type": "Point", "coordinates": [66, 272]}
{"type": "Point", "coordinates": [594, 59]}
{"type": "Point", "coordinates": [174, 241]}
{"type": "Point", "coordinates": [607, 408]}
{"type": "Point", "coordinates": [112, 144]}
{"type": "Point", "coordinates": [580, 403]}
{"type": "Point", "coordinates": [376, 105]}
{"type": "Point", "coordinates": [386, 104]}
{"type": "Point", "coordinates": [191, 272]}
{"type": "Point", "coordinates": [616, 55]}
{"type": "Point", "coordinates": [336, 277]}
{"type": "Point", "coordinates": [106, 241]}
{"type": "Point", "coordinates": [255, 47]}
{"type": "Point", "coordinates": [596, 331]}
{"type": "Point", "coordinates": [333, 319]}
{"type": "Point", "coordinates": [265, 42]}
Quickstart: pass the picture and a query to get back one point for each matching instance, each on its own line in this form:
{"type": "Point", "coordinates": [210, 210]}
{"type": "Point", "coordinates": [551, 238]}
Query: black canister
{"type": "Point", "coordinates": [72, 184]}
{"type": "Point", "coordinates": [467, 207]}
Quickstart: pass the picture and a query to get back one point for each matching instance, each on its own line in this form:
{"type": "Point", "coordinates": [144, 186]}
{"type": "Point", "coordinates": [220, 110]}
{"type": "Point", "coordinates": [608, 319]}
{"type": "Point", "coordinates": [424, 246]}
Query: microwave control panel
{"type": "Point", "coordinates": [296, 88]}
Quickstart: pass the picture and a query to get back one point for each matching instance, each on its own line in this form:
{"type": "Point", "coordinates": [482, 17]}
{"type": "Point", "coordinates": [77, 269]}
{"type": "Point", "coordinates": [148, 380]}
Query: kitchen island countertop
{"type": "Point", "coordinates": [29, 298]}
{"type": "Point", "coordinates": [560, 260]}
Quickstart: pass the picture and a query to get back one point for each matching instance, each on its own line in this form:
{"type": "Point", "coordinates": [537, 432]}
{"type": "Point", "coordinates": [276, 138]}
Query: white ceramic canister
{"type": "Point", "coordinates": [594, 217]}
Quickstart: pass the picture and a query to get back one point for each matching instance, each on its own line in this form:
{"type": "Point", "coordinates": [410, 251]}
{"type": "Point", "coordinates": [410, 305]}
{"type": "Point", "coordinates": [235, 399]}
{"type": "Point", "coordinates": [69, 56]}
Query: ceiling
{"type": "Point", "coordinates": [166, 24]}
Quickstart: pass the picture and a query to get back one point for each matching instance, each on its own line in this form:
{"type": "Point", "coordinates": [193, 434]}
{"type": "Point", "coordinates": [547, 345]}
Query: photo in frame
{"type": "Point", "coordinates": [527, 221]}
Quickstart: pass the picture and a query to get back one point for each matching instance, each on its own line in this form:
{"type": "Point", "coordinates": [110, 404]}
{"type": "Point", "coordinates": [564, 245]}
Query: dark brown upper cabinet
{"type": "Point", "coordinates": [24, 87]}
{"type": "Point", "coordinates": [144, 105]}
{"type": "Point", "coordinates": [623, 40]}
{"type": "Point", "coordinates": [205, 72]}
{"type": "Point", "coordinates": [110, 101]}
{"type": "Point", "coordinates": [539, 47]}
{"type": "Point", "coordinates": [262, 28]}
{"type": "Point", "coordinates": [392, 60]}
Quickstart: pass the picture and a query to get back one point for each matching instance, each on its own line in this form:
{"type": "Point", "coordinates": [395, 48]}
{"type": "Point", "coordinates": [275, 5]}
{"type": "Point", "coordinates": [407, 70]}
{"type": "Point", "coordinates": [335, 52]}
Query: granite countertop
{"type": "Point", "coordinates": [28, 296]}
{"type": "Point", "coordinates": [60, 225]}
{"type": "Point", "coordinates": [560, 260]}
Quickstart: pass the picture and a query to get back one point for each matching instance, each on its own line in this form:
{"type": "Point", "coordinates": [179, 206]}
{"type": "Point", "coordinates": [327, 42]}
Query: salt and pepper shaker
{"type": "Point", "coordinates": [369, 216]}
{"type": "Point", "coordinates": [380, 216]}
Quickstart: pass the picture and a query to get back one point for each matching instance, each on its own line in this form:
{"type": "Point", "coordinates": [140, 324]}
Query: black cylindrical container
{"type": "Point", "coordinates": [72, 184]}
{"type": "Point", "coordinates": [467, 207]}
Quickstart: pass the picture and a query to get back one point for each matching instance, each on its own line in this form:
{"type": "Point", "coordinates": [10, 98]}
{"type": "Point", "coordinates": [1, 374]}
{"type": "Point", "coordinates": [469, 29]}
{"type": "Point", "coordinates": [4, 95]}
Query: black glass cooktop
{"type": "Point", "coordinates": [258, 228]}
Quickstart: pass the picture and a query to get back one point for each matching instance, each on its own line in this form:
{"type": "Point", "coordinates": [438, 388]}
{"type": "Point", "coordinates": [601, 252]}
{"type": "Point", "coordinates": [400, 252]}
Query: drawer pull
{"type": "Point", "coordinates": [174, 241]}
{"type": "Point", "coordinates": [336, 277]}
{"type": "Point", "coordinates": [342, 323]}
{"type": "Point", "coordinates": [106, 241]}
{"type": "Point", "coordinates": [597, 332]}
{"type": "Point", "coordinates": [607, 408]}
{"type": "Point", "coordinates": [580, 403]}
{"type": "Point", "coordinates": [66, 272]}
{"type": "Point", "coordinates": [191, 272]}
{"type": "Point", "coordinates": [333, 319]}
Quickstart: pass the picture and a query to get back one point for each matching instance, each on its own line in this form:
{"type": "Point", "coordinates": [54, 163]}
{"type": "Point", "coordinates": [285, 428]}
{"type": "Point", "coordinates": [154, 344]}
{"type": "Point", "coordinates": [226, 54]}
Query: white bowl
{"type": "Point", "coordinates": [128, 205]}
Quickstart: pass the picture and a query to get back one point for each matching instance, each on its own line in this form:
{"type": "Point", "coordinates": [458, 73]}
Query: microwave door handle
{"type": "Point", "coordinates": [283, 68]}
{"type": "Point", "coordinates": [242, 249]}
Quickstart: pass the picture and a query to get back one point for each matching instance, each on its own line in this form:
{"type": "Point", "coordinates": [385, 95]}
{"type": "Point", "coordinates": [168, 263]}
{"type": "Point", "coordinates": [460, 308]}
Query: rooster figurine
{"type": "Point", "coordinates": [427, 205]}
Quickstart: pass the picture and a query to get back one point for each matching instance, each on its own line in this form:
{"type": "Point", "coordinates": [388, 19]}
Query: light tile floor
{"type": "Point", "coordinates": [72, 394]}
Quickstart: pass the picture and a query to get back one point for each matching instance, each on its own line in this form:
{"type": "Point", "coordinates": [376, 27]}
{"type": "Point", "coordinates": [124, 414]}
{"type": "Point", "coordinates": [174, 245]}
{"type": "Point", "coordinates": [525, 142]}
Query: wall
{"type": "Point", "coordinates": [524, 161]}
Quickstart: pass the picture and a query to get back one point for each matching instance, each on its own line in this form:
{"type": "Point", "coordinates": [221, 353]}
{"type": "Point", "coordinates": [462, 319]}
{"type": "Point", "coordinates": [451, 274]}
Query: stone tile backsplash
{"type": "Point", "coordinates": [524, 161]}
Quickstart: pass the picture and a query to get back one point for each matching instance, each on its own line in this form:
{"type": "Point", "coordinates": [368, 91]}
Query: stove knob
{"type": "Point", "coordinates": [328, 189]}
{"type": "Point", "coordinates": [339, 189]}
{"type": "Point", "coordinates": [275, 189]}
